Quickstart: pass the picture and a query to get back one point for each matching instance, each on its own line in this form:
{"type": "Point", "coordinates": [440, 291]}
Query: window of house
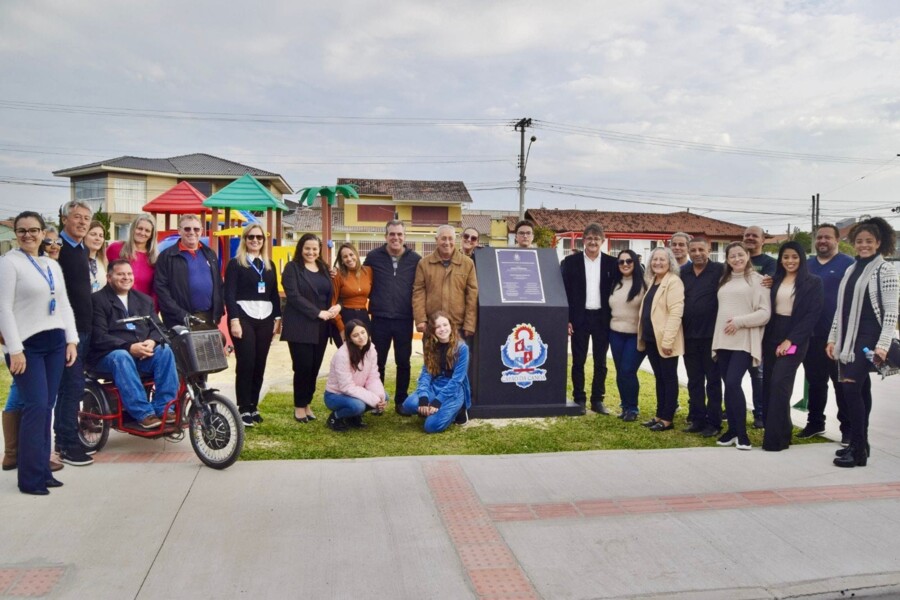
{"type": "Point", "coordinates": [129, 195]}
{"type": "Point", "coordinates": [92, 191]}
{"type": "Point", "coordinates": [616, 246]}
{"type": "Point", "coordinates": [204, 187]}
{"type": "Point", "coordinates": [715, 251]}
{"type": "Point", "coordinates": [374, 213]}
{"type": "Point", "coordinates": [430, 215]}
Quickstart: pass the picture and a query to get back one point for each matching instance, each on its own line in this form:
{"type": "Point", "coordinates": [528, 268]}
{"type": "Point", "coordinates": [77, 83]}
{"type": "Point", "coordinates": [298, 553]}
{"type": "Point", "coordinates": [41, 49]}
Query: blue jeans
{"type": "Point", "coordinates": [45, 359]}
{"type": "Point", "coordinates": [71, 389]}
{"type": "Point", "coordinates": [126, 371]}
{"type": "Point", "coordinates": [440, 420]}
{"type": "Point", "coordinates": [14, 400]}
{"type": "Point", "coordinates": [627, 359]}
{"type": "Point", "coordinates": [344, 406]}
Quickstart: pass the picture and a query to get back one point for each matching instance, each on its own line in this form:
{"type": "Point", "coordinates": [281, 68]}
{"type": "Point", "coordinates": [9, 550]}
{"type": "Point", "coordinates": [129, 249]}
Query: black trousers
{"type": "Point", "coordinates": [665, 369]}
{"type": "Point", "coordinates": [778, 384]}
{"type": "Point", "coordinates": [704, 383]}
{"type": "Point", "coordinates": [819, 370]}
{"type": "Point", "coordinates": [732, 365]}
{"type": "Point", "coordinates": [306, 359]}
{"type": "Point", "coordinates": [596, 330]}
{"type": "Point", "coordinates": [858, 392]}
{"type": "Point", "coordinates": [398, 332]}
{"type": "Point", "coordinates": [251, 351]}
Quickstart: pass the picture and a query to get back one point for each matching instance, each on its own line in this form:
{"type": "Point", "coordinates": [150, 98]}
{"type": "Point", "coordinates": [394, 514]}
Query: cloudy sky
{"type": "Point", "coordinates": [738, 110]}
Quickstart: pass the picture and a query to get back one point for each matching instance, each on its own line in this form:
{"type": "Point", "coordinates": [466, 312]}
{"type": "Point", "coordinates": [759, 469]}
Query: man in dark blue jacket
{"type": "Point", "coordinates": [390, 303]}
{"type": "Point", "coordinates": [129, 350]}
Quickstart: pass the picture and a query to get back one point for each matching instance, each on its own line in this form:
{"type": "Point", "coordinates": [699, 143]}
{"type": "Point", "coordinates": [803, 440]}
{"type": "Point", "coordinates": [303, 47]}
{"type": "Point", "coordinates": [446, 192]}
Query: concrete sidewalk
{"type": "Point", "coordinates": [148, 521]}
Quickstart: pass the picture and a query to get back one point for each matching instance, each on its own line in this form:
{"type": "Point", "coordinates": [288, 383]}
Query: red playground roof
{"type": "Point", "coordinates": [181, 199]}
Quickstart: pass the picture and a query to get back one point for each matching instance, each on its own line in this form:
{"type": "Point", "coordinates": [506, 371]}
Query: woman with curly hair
{"type": "Point", "coordinates": [866, 317]}
{"type": "Point", "coordinates": [442, 392]}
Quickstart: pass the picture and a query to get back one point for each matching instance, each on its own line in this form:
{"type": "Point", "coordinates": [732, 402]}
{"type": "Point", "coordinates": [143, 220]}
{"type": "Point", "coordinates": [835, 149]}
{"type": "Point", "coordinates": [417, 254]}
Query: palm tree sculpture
{"type": "Point", "coordinates": [329, 194]}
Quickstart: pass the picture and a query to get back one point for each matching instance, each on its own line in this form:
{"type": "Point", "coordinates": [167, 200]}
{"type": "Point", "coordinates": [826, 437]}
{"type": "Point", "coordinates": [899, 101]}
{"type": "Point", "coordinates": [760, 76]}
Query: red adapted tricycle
{"type": "Point", "coordinates": [212, 420]}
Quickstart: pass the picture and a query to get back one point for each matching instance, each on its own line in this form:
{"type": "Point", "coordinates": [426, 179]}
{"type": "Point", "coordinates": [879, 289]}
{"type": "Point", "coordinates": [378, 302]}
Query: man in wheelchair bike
{"type": "Point", "coordinates": [128, 350]}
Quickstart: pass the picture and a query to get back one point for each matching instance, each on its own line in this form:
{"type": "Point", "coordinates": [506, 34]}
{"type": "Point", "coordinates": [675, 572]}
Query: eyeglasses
{"type": "Point", "coordinates": [29, 231]}
{"type": "Point", "coordinates": [191, 229]}
{"type": "Point", "coordinates": [626, 261]}
{"type": "Point", "coordinates": [469, 238]}
{"type": "Point", "coordinates": [253, 237]}
{"type": "Point", "coordinates": [593, 239]}
{"type": "Point", "coordinates": [52, 242]}
{"type": "Point", "coordinates": [525, 233]}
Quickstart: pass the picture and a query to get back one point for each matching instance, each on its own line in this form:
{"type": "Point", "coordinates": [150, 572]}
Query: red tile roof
{"type": "Point", "coordinates": [628, 222]}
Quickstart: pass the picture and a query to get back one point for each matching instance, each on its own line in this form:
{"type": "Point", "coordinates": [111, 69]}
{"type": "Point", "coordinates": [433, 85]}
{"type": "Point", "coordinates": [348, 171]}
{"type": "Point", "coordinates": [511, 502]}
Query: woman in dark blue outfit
{"type": "Point", "coordinates": [38, 328]}
{"type": "Point", "coordinates": [308, 291]}
{"type": "Point", "coordinates": [796, 298]}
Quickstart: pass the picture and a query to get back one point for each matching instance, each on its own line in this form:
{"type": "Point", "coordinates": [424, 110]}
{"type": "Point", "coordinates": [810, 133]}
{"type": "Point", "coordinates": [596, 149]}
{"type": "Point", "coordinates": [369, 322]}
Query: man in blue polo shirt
{"type": "Point", "coordinates": [187, 280]}
{"type": "Point", "coordinates": [829, 265]}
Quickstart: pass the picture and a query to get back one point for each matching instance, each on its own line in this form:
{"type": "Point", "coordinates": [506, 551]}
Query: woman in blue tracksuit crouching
{"type": "Point", "coordinates": [442, 391]}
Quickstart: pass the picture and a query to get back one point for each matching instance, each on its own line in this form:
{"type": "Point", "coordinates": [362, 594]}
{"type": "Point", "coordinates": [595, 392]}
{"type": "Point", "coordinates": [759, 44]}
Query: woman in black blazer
{"type": "Point", "coordinates": [308, 291]}
{"type": "Point", "coordinates": [797, 297]}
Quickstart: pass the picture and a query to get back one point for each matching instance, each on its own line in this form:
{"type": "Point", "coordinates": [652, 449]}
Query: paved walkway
{"type": "Point", "coordinates": [148, 521]}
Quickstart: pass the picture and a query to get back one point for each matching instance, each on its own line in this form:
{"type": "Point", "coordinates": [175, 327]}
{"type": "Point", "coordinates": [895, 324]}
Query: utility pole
{"type": "Point", "coordinates": [523, 160]}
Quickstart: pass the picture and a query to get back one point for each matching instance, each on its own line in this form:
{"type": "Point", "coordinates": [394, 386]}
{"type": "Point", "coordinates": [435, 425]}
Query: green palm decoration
{"type": "Point", "coordinates": [328, 194]}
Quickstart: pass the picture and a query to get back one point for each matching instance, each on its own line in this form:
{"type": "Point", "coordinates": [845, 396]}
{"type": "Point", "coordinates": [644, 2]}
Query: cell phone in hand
{"type": "Point", "coordinates": [791, 350]}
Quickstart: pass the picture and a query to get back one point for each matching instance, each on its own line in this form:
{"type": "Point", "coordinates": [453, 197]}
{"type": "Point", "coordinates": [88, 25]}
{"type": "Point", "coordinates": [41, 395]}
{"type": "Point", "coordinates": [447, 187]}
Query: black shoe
{"type": "Point", "coordinates": [849, 450]}
{"type": "Point", "coordinates": [310, 417]}
{"type": "Point", "coordinates": [35, 492]}
{"type": "Point", "coordinates": [743, 442]}
{"type": "Point", "coordinates": [660, 426]}
{"type": "Point", "coordinates": [650, 423]}
{"type": "Point", "coordinates": [356, 422]}
{"type": "Point", "coordinates": [727, 439]}
{"type": "Point", "coordinates": [711, 432]}
{"type": "Point", "coordinates": [247, 420]}
{"type": "Point", "coordinates": [599, 408]}
{"type": "Point", "coordinates": [855, 458]}
{"type": "Point", "coordinates": [75, 457]}
{"type": "Point", "coordinates": [336, 424]}
{"type": "Point", "coordinates": [462, 417]}
{"type": "Point", "coordinates": [257, 418]}
{"type": "Point", "coordinates": [809, 432]}
{"type": "Point", "coordinates": [301, 419]}
{"type": "Point", "coordinates": [696, 427]}
{"type": "Point", "coordinates": [630, 417]}
{"type": "Point", "coordinates": [54, 483]}
{"type": "Point", "coordinates": [758, 423]}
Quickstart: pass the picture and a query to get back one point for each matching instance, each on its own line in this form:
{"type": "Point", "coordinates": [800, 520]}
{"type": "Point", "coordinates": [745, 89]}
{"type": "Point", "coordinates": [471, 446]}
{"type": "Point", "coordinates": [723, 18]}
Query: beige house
{"type": "Point", "coordinates": [122, 186]}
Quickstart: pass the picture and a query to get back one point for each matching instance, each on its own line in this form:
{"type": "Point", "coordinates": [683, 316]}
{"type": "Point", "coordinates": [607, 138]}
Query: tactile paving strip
{"type": "Point", "coordinates": [489, 563]}
{"type": "Point", "coordinates": [691, 502]}
{"type": "Point", "coordinates": [31, 582]}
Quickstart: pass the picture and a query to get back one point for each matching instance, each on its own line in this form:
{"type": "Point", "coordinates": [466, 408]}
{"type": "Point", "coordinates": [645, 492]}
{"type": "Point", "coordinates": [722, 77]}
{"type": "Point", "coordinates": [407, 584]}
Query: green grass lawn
{"type": "Point", "coordinates": [280, 437]}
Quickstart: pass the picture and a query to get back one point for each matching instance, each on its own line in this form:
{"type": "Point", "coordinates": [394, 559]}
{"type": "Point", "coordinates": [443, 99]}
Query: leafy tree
{"type": "Point", "coordinates": [543, 237]}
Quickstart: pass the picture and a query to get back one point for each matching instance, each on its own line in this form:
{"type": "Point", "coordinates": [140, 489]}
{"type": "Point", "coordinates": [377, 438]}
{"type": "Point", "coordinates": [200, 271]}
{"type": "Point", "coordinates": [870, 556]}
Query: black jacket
{"type": "Point", "coordinates": [300, 320]}
{"type": "Point", "coordinates": [808, 300]}
{"type": "Point", "coordinates": [73, 261]}
{"type": "Point", "coordinates": [391, 295]}
{"type": "Point", "coordinates": [108, 335]}
{"type": "Point", "coordinates": [170, 282]}
{"type": "Point", "coordinates": [573, 275]}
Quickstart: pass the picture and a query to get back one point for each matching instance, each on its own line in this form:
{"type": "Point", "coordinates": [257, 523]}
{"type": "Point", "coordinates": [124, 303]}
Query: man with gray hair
{"type": "Point", "coordinates": [75, 217]}
{"type": "Point", "coordinates": [678, 244]}
{"type": "Point", "coordinates": [445, 280]}
{"type": "Point", "coordinates": [587, 277]}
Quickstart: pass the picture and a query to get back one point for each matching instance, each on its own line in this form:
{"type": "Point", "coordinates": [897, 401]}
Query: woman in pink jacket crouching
{"type": "Point", "coordinates": [353, 384]}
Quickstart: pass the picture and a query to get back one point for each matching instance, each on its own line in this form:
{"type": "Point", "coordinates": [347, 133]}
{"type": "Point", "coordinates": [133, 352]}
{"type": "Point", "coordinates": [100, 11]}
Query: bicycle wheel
{"type": "Point", "coordinates": [218, 435]}
{"type": "Point", "coordinates": [93, 432]}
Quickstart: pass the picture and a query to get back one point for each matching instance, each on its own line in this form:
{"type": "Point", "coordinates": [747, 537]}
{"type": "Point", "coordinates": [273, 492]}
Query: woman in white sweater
{"type": "Point", "coordinates": [38, 328]}
{"type": "Point", "coordinates": [353, 384]}
{"type": "Point", "coordinates": [625, 305]}
{"type": "Point", "coordinates": [744, 308]}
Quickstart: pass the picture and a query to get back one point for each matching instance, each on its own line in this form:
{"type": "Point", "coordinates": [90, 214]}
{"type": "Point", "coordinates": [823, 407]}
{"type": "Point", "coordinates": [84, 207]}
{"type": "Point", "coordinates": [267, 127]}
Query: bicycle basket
{"type": "Point", "coordinates": [200, 351]}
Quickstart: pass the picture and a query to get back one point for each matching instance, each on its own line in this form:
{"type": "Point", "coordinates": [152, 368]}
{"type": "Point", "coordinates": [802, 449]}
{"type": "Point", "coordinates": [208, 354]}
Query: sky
{"type": "Point", "coordinates": [735, 110]}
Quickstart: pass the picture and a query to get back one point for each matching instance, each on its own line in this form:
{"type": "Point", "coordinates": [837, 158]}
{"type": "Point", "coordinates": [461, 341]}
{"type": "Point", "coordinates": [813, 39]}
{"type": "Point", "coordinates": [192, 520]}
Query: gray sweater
{"type": "Point", "coordinates": [747, 303]}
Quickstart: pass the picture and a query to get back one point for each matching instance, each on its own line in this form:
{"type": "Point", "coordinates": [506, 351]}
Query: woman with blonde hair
{"type": "Point", "coordinates": [660, 334]}
{"type": "Point", "coordinates": [95, 241]}
{"type": "Point", "coordinates": [352, 285]}
{"type": "Point", "coordinates": [140, 250]}
{"type": "Point", "coordinates": [744, 310]}
{"type": "Point", "coordinates": [254, 317]}
{"type": "Point", "coordinates": [442, 392]}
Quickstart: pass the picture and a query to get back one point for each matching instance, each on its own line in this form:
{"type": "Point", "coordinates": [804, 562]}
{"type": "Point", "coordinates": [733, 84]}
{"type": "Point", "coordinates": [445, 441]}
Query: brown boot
{"type": "Point", "coordinates": [11, 421]}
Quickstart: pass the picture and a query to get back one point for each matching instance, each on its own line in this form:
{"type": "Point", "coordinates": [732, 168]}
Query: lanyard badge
{"type": "Point", "coordinates": [48, 277]}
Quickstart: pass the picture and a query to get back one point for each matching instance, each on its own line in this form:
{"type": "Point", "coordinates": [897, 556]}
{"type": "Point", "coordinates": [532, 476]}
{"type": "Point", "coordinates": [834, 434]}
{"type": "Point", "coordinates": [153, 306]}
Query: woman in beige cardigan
{"type": "Point", "coordinates": [660, 333]}
{"type": "Point", "coordinates": [744, 309]}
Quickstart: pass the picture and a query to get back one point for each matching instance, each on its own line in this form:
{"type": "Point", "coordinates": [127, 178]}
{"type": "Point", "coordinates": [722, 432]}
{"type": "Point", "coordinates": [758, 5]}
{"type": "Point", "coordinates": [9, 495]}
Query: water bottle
{"type": "Point", "coordinates": [870, 355]}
